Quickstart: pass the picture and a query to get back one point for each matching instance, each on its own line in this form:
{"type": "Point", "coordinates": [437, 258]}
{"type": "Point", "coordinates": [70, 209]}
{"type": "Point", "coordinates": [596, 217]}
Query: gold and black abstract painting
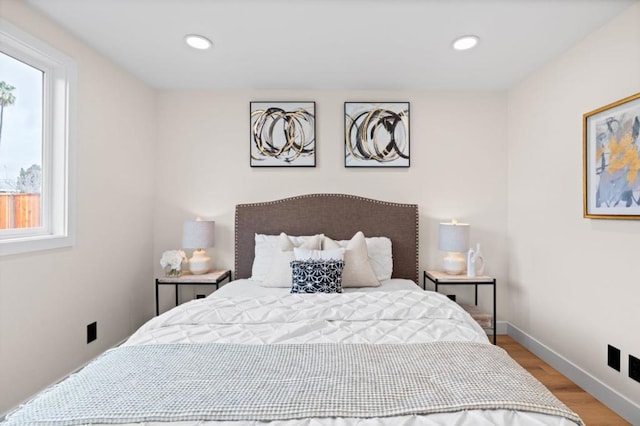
{"type": "Point", "coordinates": [376, 134]}
{"type": "Point", "coordinates": [283, 134]}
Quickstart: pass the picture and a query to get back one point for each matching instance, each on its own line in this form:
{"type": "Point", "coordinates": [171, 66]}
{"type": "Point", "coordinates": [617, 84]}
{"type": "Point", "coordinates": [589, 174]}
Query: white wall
{"type": "Point", "coordinates": [573, 283]}
{"type": "Point", "coordinates": [48, 298]}
{"type": "Point", "coordinates": [458, 167]}
{"type": "Point", "coordinates": [560, 287]}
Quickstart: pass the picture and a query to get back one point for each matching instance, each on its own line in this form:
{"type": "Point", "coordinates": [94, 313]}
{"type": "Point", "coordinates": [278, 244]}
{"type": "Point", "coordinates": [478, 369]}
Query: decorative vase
{"type": "Point", "coordinates": [172, 273]}
{"type": "Point", "coordinates": [471, 263]}
{"type": "Point", "coordinates": [479, 261]}
{"type": "Point", "coordinates": [475, 262]}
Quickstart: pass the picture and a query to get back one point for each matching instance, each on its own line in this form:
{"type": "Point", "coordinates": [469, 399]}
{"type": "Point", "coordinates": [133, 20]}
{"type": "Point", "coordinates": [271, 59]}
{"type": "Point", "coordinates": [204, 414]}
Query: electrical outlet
{"type": "Point", "coordinates": [200, 296]}
{"type": "Point", "coordinates": [634, 368]}
{"type": "Point", "coordinates": [613, 357]}
{"type": "Point", "coordinates": [92, 332]}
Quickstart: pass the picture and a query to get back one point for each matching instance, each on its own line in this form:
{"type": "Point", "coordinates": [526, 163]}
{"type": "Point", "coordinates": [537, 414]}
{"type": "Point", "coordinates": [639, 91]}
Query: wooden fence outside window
{"type": "Point", "coordinates": [19, 211]}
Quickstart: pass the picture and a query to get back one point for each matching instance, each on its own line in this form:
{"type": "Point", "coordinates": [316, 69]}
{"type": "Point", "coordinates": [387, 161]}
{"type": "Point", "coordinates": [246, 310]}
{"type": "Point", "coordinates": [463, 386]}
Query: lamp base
{"type": "Point", "coordinates": [454, 263]}
{"type": "Point", "coordinates": [199, 263]}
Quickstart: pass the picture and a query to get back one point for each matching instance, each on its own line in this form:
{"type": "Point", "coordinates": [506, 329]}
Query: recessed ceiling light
{"type": "Point", "coordinates": [466, 42]}
{"type": "Point", "coordinates": [197, 41]}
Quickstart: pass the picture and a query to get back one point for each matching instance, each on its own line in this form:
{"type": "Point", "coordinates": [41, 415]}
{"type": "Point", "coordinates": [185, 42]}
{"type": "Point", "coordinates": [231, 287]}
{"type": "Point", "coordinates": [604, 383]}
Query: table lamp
{"type": "Point", "coordinates": [454, 239]}
{"type": "Point", "coordinates": [198, 235]}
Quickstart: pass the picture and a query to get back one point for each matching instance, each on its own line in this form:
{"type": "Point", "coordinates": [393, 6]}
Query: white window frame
{"type": "Point", "coordinates": [58, 160]}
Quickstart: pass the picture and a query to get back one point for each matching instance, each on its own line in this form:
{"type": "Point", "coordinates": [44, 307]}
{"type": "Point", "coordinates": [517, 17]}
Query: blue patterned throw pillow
{"type": "Point", "coordinates": [317, 276]}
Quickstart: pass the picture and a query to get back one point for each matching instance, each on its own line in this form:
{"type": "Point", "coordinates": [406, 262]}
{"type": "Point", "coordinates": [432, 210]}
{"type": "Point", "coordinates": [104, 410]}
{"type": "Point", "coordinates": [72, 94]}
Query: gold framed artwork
{"type": "Point", "coordinates": [611, 160]}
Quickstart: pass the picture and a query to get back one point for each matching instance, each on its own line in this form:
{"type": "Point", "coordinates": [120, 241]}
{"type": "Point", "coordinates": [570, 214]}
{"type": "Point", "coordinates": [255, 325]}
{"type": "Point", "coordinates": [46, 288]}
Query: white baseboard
{"type": "Point", "coordinates": [609, 397]}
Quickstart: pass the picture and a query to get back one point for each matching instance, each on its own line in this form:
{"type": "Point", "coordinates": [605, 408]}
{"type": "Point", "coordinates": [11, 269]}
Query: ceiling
{"type": "Point", "coordinates": [331, 44]}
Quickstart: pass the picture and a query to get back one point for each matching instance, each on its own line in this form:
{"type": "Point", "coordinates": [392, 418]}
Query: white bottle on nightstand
{"type": "Point", "coordinates": [479, 261]}
{"type": "Point", "coordinates": [475, 262]}
{"type": "Point", "coordinates": [471, 263]}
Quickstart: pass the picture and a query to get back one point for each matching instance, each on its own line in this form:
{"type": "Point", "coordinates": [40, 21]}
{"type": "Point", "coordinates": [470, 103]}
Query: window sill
{"type": "Point", "coordinates": [36, 243]}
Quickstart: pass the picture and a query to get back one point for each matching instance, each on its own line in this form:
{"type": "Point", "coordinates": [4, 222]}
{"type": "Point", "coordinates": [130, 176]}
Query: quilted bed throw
{"type": "Point", "coordinates": [188, 382]}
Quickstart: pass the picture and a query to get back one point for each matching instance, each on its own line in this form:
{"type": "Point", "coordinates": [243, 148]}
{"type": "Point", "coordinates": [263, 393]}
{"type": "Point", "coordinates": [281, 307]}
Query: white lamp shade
{"type": "Point", "coordinates": [198, 234]}
{"type": "Point", "coordinates": [454, 237]}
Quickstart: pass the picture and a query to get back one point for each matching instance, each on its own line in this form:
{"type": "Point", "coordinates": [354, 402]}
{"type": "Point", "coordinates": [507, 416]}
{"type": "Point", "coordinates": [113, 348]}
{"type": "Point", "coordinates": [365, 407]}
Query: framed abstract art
{"type": "Point", "coordinates": [376, 134]}
{"type": "Point", "coordinates": [283, 134]}
{"type": "Point", "coordinates": [611, 160]}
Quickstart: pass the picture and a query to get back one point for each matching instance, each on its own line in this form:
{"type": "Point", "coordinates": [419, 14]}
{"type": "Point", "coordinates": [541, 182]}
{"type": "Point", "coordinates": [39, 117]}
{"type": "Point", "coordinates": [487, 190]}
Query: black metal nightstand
{"type": "Point", "coordinates": [212, 278]}
{"type": "Point", "coordinates": [441, 278]}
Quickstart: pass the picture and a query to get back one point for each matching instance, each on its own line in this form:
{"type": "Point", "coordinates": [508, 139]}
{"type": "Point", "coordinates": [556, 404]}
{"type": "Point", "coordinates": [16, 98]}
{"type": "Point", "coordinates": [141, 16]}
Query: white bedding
{"type": "Point", "coordinates": [367, 317]}
{"type": "Point", "coordinates": [397, 312]}
{"type": "Point", "coordinates": [257, 323]}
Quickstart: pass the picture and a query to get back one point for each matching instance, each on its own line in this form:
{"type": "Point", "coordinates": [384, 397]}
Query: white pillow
{"type": "Point", "coordinates": [305, 254]}
{"type": "Point", "coordinates": [357, 271]}
{"type": "Point", "coordinates": [380, 255]}
{"type": "Point", "coordinates": [279, 274]}
{"type": "Point", "coordinates": [265, 246]}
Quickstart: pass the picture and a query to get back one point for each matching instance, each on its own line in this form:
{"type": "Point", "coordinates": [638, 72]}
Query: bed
{"type": "Point", "coordinates": [255, 353]}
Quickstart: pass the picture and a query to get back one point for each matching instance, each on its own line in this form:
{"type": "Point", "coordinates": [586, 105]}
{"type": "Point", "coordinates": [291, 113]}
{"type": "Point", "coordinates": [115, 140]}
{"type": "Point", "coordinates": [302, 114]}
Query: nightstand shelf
{"type": "Point", "coordinates": [486, 321]}
{"type": "Point", "coordinates": [212, 278]}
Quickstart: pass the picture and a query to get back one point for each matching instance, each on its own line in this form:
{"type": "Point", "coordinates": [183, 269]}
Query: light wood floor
{"type": "Point", "coordinates": [592, 412]}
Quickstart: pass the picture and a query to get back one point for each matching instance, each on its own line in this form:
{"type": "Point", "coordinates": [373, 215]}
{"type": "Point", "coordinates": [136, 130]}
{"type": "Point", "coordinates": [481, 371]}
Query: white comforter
{"type": "Point", "coordinates": [357, 317]}
{"type": "Point", "coordinates": [399, 311]}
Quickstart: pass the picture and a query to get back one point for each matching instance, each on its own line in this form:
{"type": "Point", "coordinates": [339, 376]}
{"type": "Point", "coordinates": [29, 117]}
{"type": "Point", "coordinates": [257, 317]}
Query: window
{"type": "Point", "coordinates": [21, 95]}
{"type": "Point", "coordinates": [37, 83]}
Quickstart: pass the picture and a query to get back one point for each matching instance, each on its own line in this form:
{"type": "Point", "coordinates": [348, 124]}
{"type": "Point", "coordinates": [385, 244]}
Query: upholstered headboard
{"type": "Point", "coordinates": [338, 216]}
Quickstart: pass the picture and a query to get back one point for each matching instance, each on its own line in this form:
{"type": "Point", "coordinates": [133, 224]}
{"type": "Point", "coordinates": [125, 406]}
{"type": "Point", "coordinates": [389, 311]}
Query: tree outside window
{"type": "Point", "coordinates": [21, 100]}
{"type": "Point", "coordinates": [37, 149]}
